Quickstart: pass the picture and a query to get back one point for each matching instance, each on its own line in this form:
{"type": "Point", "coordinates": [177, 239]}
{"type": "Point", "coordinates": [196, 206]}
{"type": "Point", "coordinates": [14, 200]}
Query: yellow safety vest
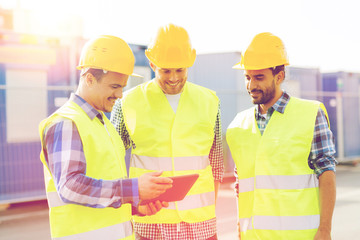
{"type": "Point", "coordinates": [278, 192]}
{"type": "Point", "coordinates": [177, 144]}
{"type": "Point", "coordinates": [104, 153]}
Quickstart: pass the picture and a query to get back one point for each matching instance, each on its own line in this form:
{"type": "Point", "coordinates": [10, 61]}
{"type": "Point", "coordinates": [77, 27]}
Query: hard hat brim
{"type": "Point", "coordinates": [240, 66]}
{"type": "Point", "coordinates": [132, 74]}
{"type": "Point", "coordinates": [136, 75]}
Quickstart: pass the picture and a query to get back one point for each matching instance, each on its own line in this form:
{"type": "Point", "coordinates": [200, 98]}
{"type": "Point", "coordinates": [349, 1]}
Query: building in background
{"type": "Point", "coordinates": [338, 91]}
{"type": "Point", "coordinates": [37, 74]}
{"type": "Point", "coordinates": [341, 96]}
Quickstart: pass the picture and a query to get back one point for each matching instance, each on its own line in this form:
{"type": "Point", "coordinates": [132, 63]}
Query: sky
{"type": "Point", "coordinates": [322, 34]}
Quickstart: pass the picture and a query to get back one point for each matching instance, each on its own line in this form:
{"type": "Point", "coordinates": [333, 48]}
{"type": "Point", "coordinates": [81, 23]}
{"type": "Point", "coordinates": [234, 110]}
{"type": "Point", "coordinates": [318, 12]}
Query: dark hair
{"type": "Point", "coordinates": [97, 73]}
{"type": "Point", "coordinates": [277, 69]}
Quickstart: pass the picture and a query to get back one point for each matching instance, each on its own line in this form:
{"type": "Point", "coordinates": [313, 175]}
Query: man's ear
{"type": "Point", "coordinates": [280, 77]}
{"type": "Point", "coordinates": [89, 79]}
{"type": "Point", "coordinates": [153, 67]}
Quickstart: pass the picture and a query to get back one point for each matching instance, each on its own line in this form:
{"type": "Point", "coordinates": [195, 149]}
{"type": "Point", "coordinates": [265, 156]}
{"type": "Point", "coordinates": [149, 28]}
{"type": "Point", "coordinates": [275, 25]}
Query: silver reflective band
{"type": "Point", "coordinates": [197, 201]}
{"type": "Point", "coordinates": [54, 200]}
{"type": "Point", "coordinates": [165, 163]}
{"type": "Point", "coordinates": [286, 181]}
{"type": "Point", "coordinates": [245, 224]}
{"type": "Point", "coordinates": [114, 232]}
{"type": "Point", "coordinates": [279, 182]}
{"type": "Point", "coordinates": [194, 201]}
{"type": "Point", "coordinates": [280, 222]}
{"type": "Point", "coordinates": [246, 185]}
{"type": "Point", "coordinates": [171, 206]}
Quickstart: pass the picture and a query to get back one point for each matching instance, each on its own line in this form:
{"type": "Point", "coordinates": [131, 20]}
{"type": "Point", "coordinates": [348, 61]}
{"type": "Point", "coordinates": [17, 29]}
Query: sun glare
{"type": "Point", "coordinates": [45, 17]}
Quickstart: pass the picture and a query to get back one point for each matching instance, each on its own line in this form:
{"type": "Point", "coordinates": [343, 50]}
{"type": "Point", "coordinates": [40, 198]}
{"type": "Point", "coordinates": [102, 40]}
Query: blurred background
{"type": "Point", "coordinates": [41, 40]}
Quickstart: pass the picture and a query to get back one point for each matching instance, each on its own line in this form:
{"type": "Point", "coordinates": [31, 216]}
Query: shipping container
{"type": "Point", "coordinates": [215, 71]}
{"type": "Point", "coordinates": [36, 78]}
{"type": "Point", "coordinates": [302, 82]}
{"type": "Point", "coordinates": [341, 98]}
{"type": "Point", "coordinates": [24, 102]}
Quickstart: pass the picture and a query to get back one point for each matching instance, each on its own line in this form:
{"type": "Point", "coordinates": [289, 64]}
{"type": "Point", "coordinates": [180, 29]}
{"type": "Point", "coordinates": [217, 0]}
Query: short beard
{"type": "Point", "coordinates": [267, 96]}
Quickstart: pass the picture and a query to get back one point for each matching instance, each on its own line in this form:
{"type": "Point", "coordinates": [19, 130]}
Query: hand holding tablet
{"type": "Point", "coordinates": [180, 187]}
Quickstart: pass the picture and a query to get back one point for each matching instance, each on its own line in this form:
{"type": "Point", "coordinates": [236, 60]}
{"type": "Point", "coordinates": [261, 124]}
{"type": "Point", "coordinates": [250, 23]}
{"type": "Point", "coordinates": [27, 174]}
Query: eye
{"type": "Point", "coordinates": [115, 86]}
{"type": "Point", "coordinates": [180, 70]}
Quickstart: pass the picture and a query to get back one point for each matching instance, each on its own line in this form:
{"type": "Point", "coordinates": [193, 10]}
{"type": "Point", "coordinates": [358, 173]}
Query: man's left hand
{"type": "Point", "coordinates": [152, 207]}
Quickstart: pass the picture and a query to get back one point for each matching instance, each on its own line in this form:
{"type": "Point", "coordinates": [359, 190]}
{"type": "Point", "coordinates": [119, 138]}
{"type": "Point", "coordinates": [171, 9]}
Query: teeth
{"type": "Point", "coordinates": [172, 84]}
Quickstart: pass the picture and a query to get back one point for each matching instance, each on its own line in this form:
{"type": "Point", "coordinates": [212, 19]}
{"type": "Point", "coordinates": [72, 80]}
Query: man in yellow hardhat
{"type": "Point", "coordinates": [174, 126]}
{"type": "Point", "coordinates": [284, 153]}
{"type": "Point", "coordinates": [87, 188]}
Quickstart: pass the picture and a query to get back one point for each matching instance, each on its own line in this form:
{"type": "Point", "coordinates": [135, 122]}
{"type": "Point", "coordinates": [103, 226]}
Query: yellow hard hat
{"type": "Point", "coordinates": [171, 48]}
{"type": "Point", "coordinates": [265, 51]}
{"type": "Point", "coordinates": [108, 53]}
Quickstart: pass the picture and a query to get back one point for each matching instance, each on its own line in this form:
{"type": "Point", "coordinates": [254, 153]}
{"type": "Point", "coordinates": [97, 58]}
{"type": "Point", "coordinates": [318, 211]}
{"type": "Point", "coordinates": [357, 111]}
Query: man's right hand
{"type": "Point", "coordinates": [151, 185]}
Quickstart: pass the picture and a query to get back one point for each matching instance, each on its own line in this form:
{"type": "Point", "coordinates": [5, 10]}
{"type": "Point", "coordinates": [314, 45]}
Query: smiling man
{"type": "Point", "coordinates": [283, 149]}
{"type": "Point", "coordinates": [88, 192]}
{"type": "Point", "coordinates": [174, 126]}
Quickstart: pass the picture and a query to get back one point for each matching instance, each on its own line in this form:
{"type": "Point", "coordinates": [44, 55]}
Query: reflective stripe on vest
{"type": "Point", "coordinates": [175, 143]}
{"type": "Point", "coordinates": [54, 200]}
{"type": "Point", "coordinates": [114, 232]}
{"type": "Point", "coordinates": [273, 172]}
{"type": "Point", "coordinates": [194, 201]}
{"type": "Point", "coordinates": [280, 222]}
{"type": "Point", "coordinates": [189, 202]}
{"type": "Point", "coordinates": [279, 182]}
{"type": "Point", "coordinates": [69, 221]}
{"type": "Point", "coordinates": [166, 164]}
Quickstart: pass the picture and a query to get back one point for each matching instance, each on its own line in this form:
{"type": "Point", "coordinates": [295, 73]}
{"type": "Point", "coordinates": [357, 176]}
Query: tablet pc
{"type": "Point", "coordinates": [180, 187]}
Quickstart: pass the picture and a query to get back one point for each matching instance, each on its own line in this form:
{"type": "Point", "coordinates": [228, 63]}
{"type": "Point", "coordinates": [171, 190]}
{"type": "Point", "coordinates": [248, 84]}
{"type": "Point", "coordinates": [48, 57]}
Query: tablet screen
{"type": "Point", "coordinates": [180, 187]}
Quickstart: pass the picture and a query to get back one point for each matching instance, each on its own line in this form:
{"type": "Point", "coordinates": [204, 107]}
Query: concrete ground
{"type": "Point", "coordinates": [29, 221]}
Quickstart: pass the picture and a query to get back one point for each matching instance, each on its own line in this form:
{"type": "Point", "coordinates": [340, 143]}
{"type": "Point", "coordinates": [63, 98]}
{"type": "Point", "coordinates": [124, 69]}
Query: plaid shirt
{"type": "Point", "coordinates": [321, 157]}
{"type": "Point", "coordinates": [199, 230]}
{"type": "Point", "coordinates": [65, 157]}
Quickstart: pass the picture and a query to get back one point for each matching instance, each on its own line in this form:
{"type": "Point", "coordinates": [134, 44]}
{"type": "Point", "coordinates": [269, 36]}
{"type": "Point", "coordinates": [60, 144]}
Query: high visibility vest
{"type": "Point", "coordinates": [104, 153]}
{"type": "Point", "coordinates": [176, 144]}
{"type": "Point", "coordinates": [278, 192]}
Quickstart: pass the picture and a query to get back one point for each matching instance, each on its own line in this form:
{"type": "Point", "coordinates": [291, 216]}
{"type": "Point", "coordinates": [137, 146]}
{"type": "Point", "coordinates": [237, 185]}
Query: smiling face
{"type": "Point", "coordinates": [104, 92]}
{"type": "Point", "coordinates": [263, 87]}
{"type": "Point", "coordinates": [170, 80]}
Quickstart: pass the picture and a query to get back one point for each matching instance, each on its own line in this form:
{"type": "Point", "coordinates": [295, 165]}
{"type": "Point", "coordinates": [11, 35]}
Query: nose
{"type": "Point", "coordinates": [119, 93]}
{"type": "Point", "coordinates": [173, 76]}
{"type": "Point", "coordinates": [250, 84]}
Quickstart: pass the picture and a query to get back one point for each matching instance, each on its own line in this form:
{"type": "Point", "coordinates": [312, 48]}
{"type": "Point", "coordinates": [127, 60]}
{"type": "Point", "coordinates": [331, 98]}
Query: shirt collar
{"type": "Point", "coordinates": [88, 109]}
{"type": "Point", "coordinates": [279, 106]}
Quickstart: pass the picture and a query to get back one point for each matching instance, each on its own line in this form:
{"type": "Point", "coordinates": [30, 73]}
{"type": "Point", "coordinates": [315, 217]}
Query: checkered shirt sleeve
{"type": "Point", "coordinates": [66, 160]}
